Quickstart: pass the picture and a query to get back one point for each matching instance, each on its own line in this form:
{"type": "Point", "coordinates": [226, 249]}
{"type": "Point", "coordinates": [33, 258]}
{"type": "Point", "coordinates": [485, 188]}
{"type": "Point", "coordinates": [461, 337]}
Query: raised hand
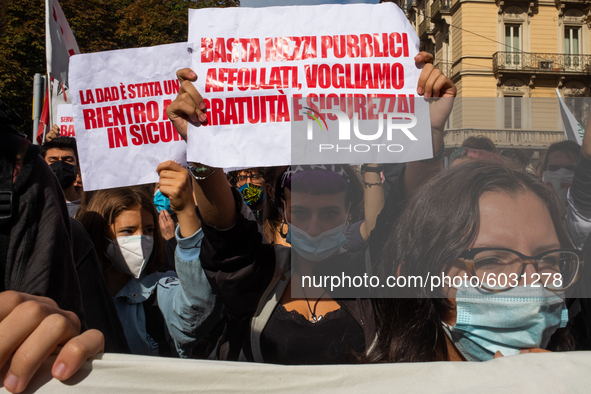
{"type": "Point", "coordinates": [188, 105]}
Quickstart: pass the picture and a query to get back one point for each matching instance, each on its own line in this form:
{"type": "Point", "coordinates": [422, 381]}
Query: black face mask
{"type": "Point", "coordinates": [65, 173]}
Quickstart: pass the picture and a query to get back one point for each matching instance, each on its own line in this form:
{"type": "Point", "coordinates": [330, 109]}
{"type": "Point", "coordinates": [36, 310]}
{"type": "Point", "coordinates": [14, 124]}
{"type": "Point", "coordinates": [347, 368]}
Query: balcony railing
{"type": "Point", "coordinates": [440, 7]}
{"type": "Point", "coordinates": [445, 67]}
{"type": "Point", "coordinates": [584, 2]}
{"type": "Point", "coordinates": [510, 138]}
{"type": "Point", "coordinates": [541, 62]}
{"type": "Point", "coordinates": [425, 27]}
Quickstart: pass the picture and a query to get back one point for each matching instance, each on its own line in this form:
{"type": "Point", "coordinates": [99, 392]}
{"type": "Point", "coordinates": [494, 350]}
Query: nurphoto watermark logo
{"type": "Point", "coordinates": [360, 129]}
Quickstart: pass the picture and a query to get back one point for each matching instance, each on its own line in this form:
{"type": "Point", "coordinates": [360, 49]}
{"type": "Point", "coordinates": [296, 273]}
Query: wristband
{"type": "Point", "coordinates": [365, 169]}
{"type": "Point", "coordinates": [200, 173]}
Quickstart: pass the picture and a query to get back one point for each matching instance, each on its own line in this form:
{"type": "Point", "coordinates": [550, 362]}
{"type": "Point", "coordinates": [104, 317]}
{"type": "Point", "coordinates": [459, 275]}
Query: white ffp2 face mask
{"type": "Point", "coordinates": [131, 253]}
{"type": "Point", "coordinates": [560, 180]}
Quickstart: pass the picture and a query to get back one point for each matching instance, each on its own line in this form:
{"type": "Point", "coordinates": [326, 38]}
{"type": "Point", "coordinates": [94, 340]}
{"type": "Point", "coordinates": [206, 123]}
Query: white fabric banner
{"type": "Point", "coordinates": [572, 129]}
{"type": "Point", "coordinates": [566, 372]}
{"type": "Point", "coordinates": [60, 43]}
{"type": "Point", "coordinates": [65, 120]}
{"type": "Point", "coordinates": [252, 61]}
{"type": "Point", "coordinates": [119, 101]}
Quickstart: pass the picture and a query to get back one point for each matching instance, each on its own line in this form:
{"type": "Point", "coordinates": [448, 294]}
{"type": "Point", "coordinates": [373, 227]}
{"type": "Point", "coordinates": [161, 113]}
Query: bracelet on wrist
{"type": "Point", "coordinates": [376, 170]}
{"type": "Point", "coordinates": [201, 172]}
{"type": "Point", "coordinates": [370, 184]}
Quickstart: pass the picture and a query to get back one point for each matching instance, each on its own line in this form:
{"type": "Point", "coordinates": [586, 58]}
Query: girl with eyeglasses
{"type": "Point", "coordinates": [500, 232]}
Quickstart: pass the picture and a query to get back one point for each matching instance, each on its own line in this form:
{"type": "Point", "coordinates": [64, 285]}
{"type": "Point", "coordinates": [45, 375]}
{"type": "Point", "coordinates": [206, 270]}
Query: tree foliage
{"type": "Point", "coordinates": [99, 25]}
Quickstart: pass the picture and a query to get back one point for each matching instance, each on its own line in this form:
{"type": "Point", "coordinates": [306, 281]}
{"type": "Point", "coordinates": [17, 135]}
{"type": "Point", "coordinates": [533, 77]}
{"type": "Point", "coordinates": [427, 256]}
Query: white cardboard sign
{"type": "Point", "coordinates": [251, 62]}
{"type": "Point", "coordinates": [119, 101]}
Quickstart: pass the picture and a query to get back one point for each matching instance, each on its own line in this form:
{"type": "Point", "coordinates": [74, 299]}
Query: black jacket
{"type": "Point", "coordinates": [35, 248]}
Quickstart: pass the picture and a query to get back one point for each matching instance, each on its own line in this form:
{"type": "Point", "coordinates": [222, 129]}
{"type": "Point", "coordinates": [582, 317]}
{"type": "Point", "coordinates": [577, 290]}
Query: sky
{"type": "Point", "coordinates": [270, 3]}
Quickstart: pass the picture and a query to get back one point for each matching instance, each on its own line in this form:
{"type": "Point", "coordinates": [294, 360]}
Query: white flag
{"type": "Point", "coordinates": [572, 129]}
{"type": "Point", "coordinates": [60, 43]}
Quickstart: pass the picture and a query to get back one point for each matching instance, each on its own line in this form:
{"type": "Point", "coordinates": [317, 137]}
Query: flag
{"type": "Point", "coordinates": [572, 129]}
{"type": "Point", "coordinates": [43, 119]}
{"type": "Point", "coordinates": [60, 43]}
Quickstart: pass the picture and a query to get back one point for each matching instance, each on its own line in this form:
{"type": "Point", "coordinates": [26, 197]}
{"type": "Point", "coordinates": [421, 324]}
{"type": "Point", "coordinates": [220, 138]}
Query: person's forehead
{"type": "Point", "coordinates": [317, 201]}
{"type": "Point", "coordinates": [60, 152]}
{"type": "Point", "coordinates": [249, 172]}
{"type": "Point", "coordinates": [520, 222]}
{"type": "Point", "coordinates": [561, 157]}
{"type": "Point", "coordinates": [134, 216]}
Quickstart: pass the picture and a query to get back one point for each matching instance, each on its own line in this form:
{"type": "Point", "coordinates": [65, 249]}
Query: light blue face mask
{"type": "Point", "coordinates": [516, 319]}
{"type": "Point", "coordinates": [319, 247]}
{"type": "Point", "coordinates": [162, 203]}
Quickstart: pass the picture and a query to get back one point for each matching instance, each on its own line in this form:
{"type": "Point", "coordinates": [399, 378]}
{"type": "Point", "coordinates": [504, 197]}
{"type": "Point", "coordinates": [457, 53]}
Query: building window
{"type": "Point", "coordinates": [576, 105]}
{"type": "Point", "coordinates": [513, 43]}
{"type": "Point", "coordinates": [513, 112]}
{"type": "Point", "coordinates": [572, 46]}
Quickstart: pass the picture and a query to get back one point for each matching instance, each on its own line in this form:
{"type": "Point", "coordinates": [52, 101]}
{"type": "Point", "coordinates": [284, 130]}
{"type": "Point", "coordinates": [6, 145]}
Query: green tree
{"type": "Point", "coordinates": [98, 25]}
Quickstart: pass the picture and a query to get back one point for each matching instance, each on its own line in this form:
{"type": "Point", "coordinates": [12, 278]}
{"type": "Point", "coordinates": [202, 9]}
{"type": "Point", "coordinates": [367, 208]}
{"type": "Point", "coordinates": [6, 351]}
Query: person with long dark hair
{"type": "Point", "coordinates": [161, 314]}
{"type": "Point", "coordinates": [477, 219]}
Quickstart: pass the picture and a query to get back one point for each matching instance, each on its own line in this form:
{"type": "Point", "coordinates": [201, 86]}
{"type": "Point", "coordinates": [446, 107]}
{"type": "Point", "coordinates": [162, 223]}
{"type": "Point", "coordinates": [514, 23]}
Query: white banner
{"type": "Point", "coordinates": [572, 129]}
{"type": "Point", "coordinates": [65, 120]}
{"type": "Point", "coordinates": [119, 101]}
{"type": "Point", "coordinates": [560, 372]}
{"type": "Point", "coordinates": [60, 43]}
{"type": "Point", "coordinates": [252, 61]}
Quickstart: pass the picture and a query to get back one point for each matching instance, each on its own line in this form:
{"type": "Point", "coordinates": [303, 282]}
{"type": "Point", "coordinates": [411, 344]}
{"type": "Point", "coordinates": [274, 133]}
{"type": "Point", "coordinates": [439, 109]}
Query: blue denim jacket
{"type": "Point", "coordinates": [188, 305]}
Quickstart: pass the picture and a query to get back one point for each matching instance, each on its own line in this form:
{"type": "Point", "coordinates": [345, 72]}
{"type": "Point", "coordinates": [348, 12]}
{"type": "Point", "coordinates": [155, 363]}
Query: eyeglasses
{"type": "Point", "coordinates": [499, 269]}
{"type": "Point", "coordinates": [254, 178]}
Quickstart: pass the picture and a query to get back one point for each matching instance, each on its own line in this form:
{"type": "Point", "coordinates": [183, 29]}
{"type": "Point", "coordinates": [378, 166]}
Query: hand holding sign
{"type": "Point", "coordinates": [53, 133]}
{"type": "Point", "coordinates": [175, 183]}
{"type": "Point", "coordinates": [433, 83]}
{"type": "Point", "coordinates": [188, 105]}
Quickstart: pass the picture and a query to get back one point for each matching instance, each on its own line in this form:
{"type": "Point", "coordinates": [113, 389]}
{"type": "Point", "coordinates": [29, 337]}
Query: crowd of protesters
{"type": "Point", "coordinates": [203, 263]}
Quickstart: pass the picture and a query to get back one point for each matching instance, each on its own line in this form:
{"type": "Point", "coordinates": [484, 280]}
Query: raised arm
{"type": "Point", "coordinates": [212, 192]}
{"type": "Point", "coordinates": [578, 212]}
{"type": "Point", "coordinates": [373, 198]}
{"type": "Point", "coordinates": [175, 184]}
{"type": "Point", "coordinates": [188, 304]}
{"type": "Point", "coordinates": [586, 148]}
{"type": "Point", "coordinates": [432, 84]}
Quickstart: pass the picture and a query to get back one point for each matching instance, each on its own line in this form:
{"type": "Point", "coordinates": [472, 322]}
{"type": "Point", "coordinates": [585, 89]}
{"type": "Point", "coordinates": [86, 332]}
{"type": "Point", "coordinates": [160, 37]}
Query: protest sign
{"type": "Point", "coordinates": [119, 101]}
{"type": "Point", "coordinates": [251, 62]}
{"type": "Point", "coordinates": [65, 120]}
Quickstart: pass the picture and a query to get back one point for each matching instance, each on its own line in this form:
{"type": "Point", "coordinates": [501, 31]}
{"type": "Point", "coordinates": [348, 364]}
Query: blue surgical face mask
{"type": "Point", "coordinates": [162, 203]}
{"type": "Point", "coordinates": [519, 318]}
{"type": "Point", "coordinates": [319, 247]}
